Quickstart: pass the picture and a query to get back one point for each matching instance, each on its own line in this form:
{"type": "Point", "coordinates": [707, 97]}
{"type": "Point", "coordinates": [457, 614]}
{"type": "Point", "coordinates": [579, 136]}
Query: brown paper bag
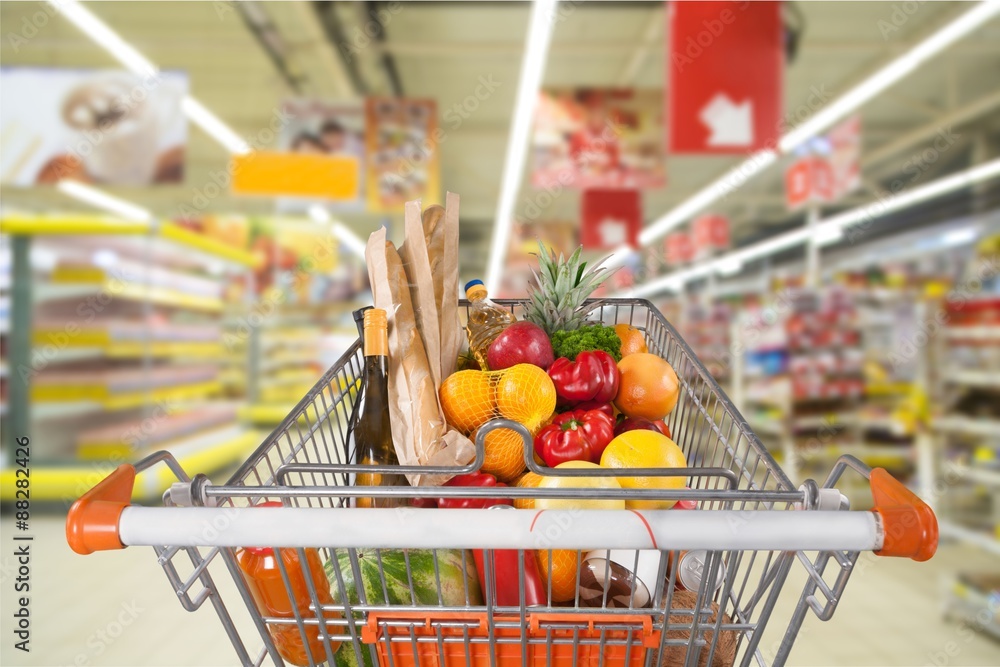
{"type": "Point", "coordinates": [420, 434]}
{"type": "Point", "coordinates": [422, 283]}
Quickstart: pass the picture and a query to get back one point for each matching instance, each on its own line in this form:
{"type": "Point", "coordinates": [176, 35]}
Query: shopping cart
{"type": "Point", "coordinates": [751, 528]}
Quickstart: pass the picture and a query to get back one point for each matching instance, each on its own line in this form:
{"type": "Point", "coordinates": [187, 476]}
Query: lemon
{"type": "Point", "coordinates": [645, 449]}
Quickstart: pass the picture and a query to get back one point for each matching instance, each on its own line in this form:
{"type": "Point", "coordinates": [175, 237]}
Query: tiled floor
{"type": "Point", "coordinates": [117, 609]}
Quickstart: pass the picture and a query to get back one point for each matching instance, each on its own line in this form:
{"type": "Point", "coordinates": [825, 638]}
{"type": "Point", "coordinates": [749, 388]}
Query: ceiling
{"type": "Point", "coordinates": [441, 49]}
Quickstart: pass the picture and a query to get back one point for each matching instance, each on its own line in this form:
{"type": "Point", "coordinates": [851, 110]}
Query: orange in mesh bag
{"type": "Point", "coordinates": [521, 393]}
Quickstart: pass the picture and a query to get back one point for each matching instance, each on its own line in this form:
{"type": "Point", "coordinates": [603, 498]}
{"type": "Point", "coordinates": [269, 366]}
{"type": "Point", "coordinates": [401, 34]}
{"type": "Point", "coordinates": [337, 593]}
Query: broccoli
{"type": "Point", "coordinates": [593, 337]}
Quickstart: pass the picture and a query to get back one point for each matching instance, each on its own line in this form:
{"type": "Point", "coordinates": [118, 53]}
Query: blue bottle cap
{"type": "Point", "coordinates": [472, 283]}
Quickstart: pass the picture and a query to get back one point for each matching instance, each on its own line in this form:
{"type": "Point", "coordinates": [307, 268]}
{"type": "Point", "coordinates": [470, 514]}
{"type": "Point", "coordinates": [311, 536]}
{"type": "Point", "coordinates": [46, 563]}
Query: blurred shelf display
{"type": "Point", "coordinates": [964, 434]}
{"type": "Point", "coordinates": [120, 331]}
{"type": "Point", "coordinates": [974, 598]}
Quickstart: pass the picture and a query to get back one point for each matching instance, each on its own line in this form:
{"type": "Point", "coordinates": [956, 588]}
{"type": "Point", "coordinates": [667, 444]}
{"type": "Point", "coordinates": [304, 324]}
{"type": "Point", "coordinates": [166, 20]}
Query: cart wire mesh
{"type": "Point", "coordinates": [420, 607]}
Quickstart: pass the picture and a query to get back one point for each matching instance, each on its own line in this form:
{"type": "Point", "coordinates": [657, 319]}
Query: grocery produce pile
{"type": "Point", "coordinates": [591, 396]}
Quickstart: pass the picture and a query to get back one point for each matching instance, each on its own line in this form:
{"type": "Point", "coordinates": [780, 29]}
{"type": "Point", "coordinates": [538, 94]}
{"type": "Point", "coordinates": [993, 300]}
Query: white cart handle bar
{"type": "Point", "coordinates": [900, 524]}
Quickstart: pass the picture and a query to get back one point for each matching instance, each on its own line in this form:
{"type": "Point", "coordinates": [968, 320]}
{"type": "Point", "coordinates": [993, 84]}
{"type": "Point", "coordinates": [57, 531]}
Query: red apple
{"type": "Point", "coordinates": [520, 343]}
{"type": "Point", "coordinates": [640, 423]}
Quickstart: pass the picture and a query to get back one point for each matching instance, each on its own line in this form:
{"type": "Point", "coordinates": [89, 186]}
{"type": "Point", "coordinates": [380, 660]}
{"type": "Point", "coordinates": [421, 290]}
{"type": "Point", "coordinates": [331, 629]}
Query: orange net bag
{"type": "Point", "coordinates": [521, 393]}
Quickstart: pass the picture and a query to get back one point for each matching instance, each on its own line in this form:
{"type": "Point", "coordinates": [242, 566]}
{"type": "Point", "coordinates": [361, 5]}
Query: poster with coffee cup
{"type": "Point", "coordinates": [106, 127]}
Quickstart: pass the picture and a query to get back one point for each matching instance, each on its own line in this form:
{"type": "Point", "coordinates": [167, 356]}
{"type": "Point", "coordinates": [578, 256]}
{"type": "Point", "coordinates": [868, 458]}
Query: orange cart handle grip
{"type": "Point", "coordinates": [910, 529]}
{"type": "Point", "coordinates": [92, 522]}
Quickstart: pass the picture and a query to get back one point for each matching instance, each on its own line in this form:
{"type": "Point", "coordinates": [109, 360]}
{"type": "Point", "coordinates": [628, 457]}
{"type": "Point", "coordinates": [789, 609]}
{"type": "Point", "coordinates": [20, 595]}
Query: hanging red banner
{"type": "Point", "coordinates": [725, 65]}
{"type": "Point", "coordinates": [678, 248]}
{"type": "Point", "coordinates": [611, 218]}
{"type": "Point", "coordinates": [710, 232]}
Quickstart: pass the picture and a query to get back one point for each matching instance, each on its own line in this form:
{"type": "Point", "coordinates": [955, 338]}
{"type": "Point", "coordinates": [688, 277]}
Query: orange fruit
{"type": "Point", "coordinates": [525, 394]}
{"type": "Point", "coordinates": [504, 454]}
{"type": "Point", "coordinates": [527, 480]}
{"type": "Point", "coordinates": [467, 400]}
{"type": "Point", "coordinates": [564, 572]}
{"type": "Point", "coordinates": [632, 339]}
{"type": "Point", "coordinates": [645, 449]}
{"type": "Point", "coordinates": [577, 483]}
{"type": "Point", "coordinates": [648, 388]}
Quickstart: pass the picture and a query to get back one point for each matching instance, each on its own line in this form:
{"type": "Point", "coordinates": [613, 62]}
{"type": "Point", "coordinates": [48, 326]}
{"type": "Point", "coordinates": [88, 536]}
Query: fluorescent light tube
{"type": "Point", "coordinates": [349, 239]}
{"type": "Point", "coordinates": [890, 74]}
{"type": "Point", "coordinates": [105, 37]}
{"type": "Point", "coordinates": [319, 214]}
{"type": "Point", "coordinates": [831, 229]}
{"type": "Point", "coordinates": [134, 61]}
{"type": "Point", "coordinates": [728, 266]}
{"type": "Point", "coordinates": [959, 237]}
{"type": "Point", "coordinates": [104, 201]}
{"type": "Point", "coordinates": [214, 127]}
{"type": "Point", "coordinates": [824, 118]}
{"type": "Point", "coordinates": [536, 50]}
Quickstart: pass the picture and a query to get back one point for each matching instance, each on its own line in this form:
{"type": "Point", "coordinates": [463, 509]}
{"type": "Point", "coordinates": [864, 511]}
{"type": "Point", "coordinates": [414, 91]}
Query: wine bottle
{"type": "Point", "coordinates": [372, 434]}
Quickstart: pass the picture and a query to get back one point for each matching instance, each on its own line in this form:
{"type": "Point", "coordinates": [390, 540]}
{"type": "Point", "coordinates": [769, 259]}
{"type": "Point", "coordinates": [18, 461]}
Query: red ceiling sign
{"type": "Point", "coordinates": [725, 64]}
{"type": "Point", "coordinates": [711, 232]}
{"type": "Point", "coordinates": [611, 218]}
{"type": "Point", "coordinates": [678, 248]}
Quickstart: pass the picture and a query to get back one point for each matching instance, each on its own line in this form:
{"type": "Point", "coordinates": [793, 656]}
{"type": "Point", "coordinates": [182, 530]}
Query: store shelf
{"type": "Point", "coordinates": [971, 426]}
{"type": "Point", "coordinates": [64, 401]}
{"type": "Point", "coordinates": [974, 378]}
{"type": "Point", "coordinates": [115, 289]}
{"type": "Point", "coordinates": [67, 483]}
{"type": "Point", "coordinates": [77, 348]}
{"type": "Point", "coordinates": [981, 475]}
{"type": "Point", "coordinates": [974, 333]}
{"type": "Point", "coordinates": [981, 539]}
{"type": "Point", "coordinates": [77, 225]}
{"type": "Point", "coordinates": [265, 413]}
{"type": "Point", "coordinates": [976, 606]}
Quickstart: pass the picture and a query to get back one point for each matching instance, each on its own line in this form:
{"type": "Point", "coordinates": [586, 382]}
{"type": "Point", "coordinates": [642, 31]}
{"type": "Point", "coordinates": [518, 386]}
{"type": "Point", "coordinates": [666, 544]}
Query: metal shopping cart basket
{"type": "Point", "coordinates": [751, 528]}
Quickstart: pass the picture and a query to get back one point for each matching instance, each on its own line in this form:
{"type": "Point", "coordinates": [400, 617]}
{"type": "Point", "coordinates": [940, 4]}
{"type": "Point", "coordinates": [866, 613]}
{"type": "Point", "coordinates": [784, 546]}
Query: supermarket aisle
{"type": "Point", "coordinates": [121, 607]}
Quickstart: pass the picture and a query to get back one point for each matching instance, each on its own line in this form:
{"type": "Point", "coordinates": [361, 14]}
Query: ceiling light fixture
{"type": "Point", "coordinates": [818, 122]}
{"type": "Point", "coordinates": [351, 240]}
{"type": "Point", "coordinates": [106, 38]}
{"type": "Point", "coordinates": [103, 200]}
{"type": "Point", "coordinates": [215, 128]}
{"type": "Point", "coordinates": [127, 55]}
{"type": "Point", "coordinates": [828, 229]}
{"type": "Point", "coordinates": [536, 50]}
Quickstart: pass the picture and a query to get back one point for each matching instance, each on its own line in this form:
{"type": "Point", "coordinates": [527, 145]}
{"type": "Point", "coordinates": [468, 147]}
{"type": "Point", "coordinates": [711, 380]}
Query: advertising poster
{"type": "Point", "coordinates": [598, 138]}
{"type": "Point", "coordinates": [827, 168]}
{"type": "Point", "coordinates": [401, 156]}
{"type": "Point", "coordinates": [105, 127]}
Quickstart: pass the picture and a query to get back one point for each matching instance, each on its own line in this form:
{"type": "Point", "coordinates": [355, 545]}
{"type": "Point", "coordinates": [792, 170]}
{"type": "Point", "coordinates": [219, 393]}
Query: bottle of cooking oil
{"type": "Point", "coordinates": [486, 321]}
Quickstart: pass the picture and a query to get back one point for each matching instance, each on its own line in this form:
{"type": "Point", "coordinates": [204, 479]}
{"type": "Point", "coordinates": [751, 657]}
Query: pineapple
{"type": "Point", "coordinates": [561, 286]}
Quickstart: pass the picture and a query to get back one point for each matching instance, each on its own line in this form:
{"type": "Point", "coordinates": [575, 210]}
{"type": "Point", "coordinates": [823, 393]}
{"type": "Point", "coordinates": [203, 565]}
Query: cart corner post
{"type": "Point", "coordinates": [909, 526]}
{"type": "Point", "coordinates": [92, 521]}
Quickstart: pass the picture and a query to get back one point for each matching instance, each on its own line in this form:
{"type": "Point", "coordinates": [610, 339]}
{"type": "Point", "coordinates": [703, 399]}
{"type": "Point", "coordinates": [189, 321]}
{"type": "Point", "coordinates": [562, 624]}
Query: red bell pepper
{"type": "Point", "coordinates": [577, 435]}
{"type": "Point", "coordinates": [593, 377]}
{"type": "Point", "coordinates": [480, 479]}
